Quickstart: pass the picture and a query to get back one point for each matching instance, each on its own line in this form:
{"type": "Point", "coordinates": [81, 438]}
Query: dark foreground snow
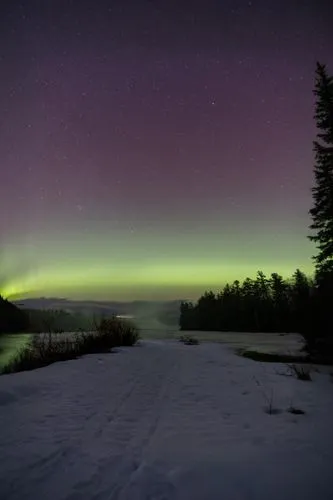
{"type": "Point", "coordinates": [165, 421]}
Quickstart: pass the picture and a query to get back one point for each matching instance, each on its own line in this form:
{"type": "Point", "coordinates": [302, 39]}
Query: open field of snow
{"type": "Point", "coordinates": [165, 421]}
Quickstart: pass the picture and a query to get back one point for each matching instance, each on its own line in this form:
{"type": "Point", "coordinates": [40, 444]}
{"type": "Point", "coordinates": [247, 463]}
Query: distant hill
{"type": "Point", "coordinates": [147, 314]}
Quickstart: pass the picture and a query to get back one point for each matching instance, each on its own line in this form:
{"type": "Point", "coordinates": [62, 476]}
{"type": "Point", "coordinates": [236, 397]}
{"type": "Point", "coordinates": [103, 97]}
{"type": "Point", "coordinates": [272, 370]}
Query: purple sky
{"type": "Point", "coordinates": [137, 136]}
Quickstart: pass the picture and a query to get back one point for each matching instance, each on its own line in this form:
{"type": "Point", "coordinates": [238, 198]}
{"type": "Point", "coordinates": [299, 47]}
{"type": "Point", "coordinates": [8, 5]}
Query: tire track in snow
{"type": "Point", "coordinates": [131, 429]}
{"type": "Point", "coordinates": [157, 410]}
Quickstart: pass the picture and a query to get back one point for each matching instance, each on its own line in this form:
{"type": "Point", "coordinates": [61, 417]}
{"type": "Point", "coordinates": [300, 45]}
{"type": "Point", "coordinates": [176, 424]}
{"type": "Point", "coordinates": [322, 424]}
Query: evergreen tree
{"type": "Point", "coordinates": [322, 211]}
{"type": "Point", "coordinates": [318, 328]}
{"type": "Point", "coordinates": [248, 294]}
{"type": "Point", "coordinates": [280, 303]}
{"type": "Point", "coordinates": [263, 303]}
{"type": "Point", "coordinates": [207, 312]}
{"type": "Point", "coordinates": [301, 303]}
{"type": "Point", "coordinates": [187, 319]}
{"type": "Point", "coordinates": [301, 291]}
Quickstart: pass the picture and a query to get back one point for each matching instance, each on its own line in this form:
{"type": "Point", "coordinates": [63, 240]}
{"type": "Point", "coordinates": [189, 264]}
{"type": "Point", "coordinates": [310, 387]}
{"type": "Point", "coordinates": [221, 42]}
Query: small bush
{"type": "Point", "coordinates": [268, 397]}
{"type": "Point", "coordinates": [45, 349]}
{"type": "Point", "coordinates": [118, 332]}
{"type": "Point", "coordinates": [188, 340]}
{"type": "Point", "coordinates": [301, 372]}
{"type": "Point", "coordinates": [295, 411]}
{"type": "Point", "coordinates": [41, 350]}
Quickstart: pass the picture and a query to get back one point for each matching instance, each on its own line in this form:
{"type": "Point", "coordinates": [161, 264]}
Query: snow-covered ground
{"type": "Point", "coordinates": [165, 421]}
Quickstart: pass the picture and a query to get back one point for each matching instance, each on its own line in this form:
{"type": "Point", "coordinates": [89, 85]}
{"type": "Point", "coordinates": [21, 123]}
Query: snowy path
{"type": "Point", "coordinates": [164, 421]}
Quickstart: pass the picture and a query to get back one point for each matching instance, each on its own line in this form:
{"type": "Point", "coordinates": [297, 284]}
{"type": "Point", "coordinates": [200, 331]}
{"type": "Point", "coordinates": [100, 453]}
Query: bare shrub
{"type": "Point", "coordinates": [188, 340]}
{"type": "Point", "coordinates": [44, 349]}
{"type": "Point", "coordinates": [301, 372]}
{"type": "Point", "coordinates": [268, 396]}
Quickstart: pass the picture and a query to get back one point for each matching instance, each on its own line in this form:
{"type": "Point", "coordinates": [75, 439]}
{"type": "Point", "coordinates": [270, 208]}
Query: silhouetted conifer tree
{"type": "Point", "coordinates": [318, 331]}
{"type": "Point", "coordinates": [322, 211]}
{"type": "Point", "coordinates": [281, 300]}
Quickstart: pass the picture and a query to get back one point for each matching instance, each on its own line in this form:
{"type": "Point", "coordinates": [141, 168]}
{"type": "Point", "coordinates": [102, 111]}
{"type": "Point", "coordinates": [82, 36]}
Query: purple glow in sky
{"type": "Point", "coordinates": [162, 147]}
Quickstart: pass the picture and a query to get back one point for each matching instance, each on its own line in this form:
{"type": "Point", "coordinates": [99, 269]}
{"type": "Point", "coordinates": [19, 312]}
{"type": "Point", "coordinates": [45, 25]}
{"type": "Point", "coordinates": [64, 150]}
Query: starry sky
{"type": "Point", "coordinates": [155, 149]}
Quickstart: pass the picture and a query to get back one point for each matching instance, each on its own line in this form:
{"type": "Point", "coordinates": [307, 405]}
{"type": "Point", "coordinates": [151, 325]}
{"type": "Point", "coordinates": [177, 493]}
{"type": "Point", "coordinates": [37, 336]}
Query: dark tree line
{"type": "Point", "coordinates": [256, 305]}
{"type": "Point", "coordinates": [58, 321]}
{"type": "Point", "coordinates": [273, 304]}
{"type": "Point", "coordinates": [16, 320]}
{"type": "Point", "coordinates": [12, 319]}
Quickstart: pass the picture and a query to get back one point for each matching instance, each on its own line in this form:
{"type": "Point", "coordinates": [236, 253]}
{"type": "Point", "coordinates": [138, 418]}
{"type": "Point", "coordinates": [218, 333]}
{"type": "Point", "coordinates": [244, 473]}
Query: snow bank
{"type": "Point", "coordinates": [164, 421]}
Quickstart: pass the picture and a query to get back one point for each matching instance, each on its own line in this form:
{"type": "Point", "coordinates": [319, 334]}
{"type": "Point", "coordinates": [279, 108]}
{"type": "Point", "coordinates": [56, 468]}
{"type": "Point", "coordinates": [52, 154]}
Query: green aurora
{"type": "Point", "coordinates": [145, 266]}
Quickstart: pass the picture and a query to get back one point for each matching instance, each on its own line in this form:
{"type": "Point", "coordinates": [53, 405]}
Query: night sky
{"type": "Point", "coordinates": [154, 149]}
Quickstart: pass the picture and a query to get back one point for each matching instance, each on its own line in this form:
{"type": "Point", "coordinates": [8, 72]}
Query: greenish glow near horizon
{"type": "Point", "coordinates": [149, 267]}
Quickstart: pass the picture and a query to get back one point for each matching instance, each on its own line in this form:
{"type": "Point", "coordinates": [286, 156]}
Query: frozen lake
{"type": "Point", "coordinates": [264, 342]}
